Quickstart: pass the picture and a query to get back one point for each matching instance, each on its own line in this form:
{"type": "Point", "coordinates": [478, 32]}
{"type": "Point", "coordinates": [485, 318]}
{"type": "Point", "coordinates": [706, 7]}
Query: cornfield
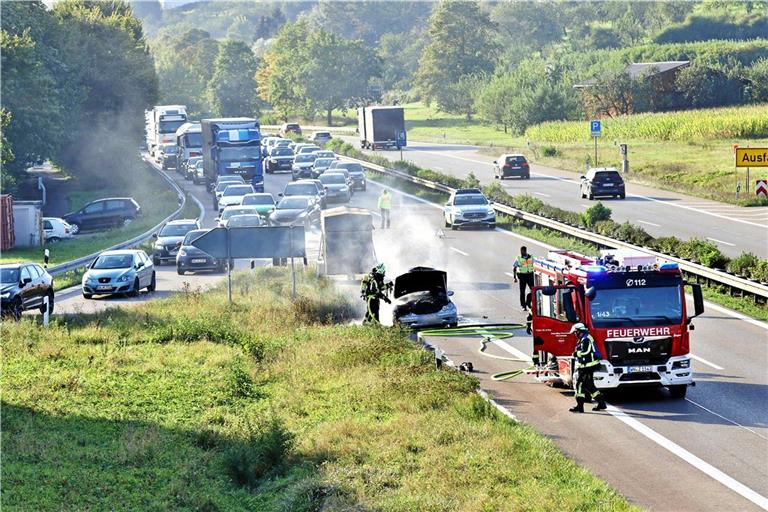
{"type": "Point", "coordinates": [708, 124]}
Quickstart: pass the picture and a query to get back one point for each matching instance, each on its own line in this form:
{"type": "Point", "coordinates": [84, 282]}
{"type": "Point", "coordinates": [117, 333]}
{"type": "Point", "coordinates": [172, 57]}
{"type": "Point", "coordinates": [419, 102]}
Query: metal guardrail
{"type": "Point", "coordinates": [85, 260]}
{"type": "Point", "coordinates": [695, 269]}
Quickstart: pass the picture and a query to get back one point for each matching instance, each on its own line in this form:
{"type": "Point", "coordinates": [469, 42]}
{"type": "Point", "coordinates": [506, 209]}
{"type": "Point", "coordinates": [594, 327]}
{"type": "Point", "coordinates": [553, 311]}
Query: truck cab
{"type": "Point", "coordinates": [635, 310]}
{"type": "Point", "coordinates": [232, 146]}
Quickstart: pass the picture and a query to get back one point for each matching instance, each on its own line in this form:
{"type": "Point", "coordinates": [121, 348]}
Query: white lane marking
{"type": "Point", "coordinates": [585, 205]}
{"type": "Point", "coordinates": [745, 318]}
{"type": "Point", "coordinates": [726, 419]}
{"type": "Point", "coordinates": [512, 350]}
{"type": "Point", "coordinates": [510, 274]}
{"type": "Point", "coordinates": [708, 363]}
{"type": "Point", "coordinates": [649, 223]}
{"type": "Point", "coordinates": [709, 305]}
{"type": "Point", "coordinates": [437, 167]}
{"type": "Point", "coordinates": [693, 460]}
{"type": "Point", "coordinates": [647, 198]}
{"type": "Point", "coordinates": [459, 251]}
{"type": "Point", "coordinates": [542, 194]}
{"type": "Point", "coordinates": [721, 242]}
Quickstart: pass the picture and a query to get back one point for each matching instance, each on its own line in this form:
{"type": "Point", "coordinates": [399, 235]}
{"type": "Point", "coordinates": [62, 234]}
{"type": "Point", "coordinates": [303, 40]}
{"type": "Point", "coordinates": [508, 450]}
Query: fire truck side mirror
{"type": "Point", "coordinates": [698, 301]}
{"type": "Point", "coordinates": [590, 293]}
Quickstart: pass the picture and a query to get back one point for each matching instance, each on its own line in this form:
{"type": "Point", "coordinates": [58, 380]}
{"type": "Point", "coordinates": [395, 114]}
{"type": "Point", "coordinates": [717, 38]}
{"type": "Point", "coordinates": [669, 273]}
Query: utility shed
{"type": "Point", "coordinates": [27, 223]}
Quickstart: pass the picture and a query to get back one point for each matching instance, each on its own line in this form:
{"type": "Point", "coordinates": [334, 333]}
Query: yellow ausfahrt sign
{"type": "Point", "coordinates": [751, 157]}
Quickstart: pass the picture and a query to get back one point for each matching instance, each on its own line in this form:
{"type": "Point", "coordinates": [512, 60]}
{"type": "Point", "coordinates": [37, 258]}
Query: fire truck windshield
{"type": "Point", "coordinates": [640, 306]}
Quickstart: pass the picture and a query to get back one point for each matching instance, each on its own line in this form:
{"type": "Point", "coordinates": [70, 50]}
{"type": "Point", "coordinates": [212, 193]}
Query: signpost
{"type": "Point", "coordinates": [264, 242]}
{"type": "Point", "coordinates": [401, 141]}
{"type": "Point", "coordinates": [596, 130]}
{"type": "Point", "coordinates": [749, 157]}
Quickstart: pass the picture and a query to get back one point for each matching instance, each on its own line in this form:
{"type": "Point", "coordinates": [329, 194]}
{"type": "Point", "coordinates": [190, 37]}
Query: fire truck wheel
{"type": "Point", "coordinates": [678, 391]}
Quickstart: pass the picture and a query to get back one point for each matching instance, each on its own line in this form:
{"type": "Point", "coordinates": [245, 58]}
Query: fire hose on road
{"type": "Point", "coordinates": [489, 333]}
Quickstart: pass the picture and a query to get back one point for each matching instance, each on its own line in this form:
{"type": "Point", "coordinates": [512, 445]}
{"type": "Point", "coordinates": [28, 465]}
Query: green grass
{"type": "Point", "coordinates": [188, 403]}
{"type": "Point", "coordinates": [151, 191]}
{"type": "Point", "coordinates": [743, 305]}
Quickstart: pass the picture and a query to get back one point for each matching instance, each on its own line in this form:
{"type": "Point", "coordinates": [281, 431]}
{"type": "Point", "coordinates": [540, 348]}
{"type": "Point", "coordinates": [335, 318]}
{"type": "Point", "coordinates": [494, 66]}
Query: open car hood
{"type": "Point", "coordinates": [421, 279]}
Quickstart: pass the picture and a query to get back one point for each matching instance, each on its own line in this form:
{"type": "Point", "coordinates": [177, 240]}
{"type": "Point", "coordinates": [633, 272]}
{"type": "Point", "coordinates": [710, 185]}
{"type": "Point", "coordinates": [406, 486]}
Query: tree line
{"type": "Point", "coordinates": [304, 71]}
{"type": "Point", "coordinates": [75, 77]}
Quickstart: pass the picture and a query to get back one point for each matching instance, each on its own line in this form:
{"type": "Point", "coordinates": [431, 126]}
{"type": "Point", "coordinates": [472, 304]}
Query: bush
{"type": "Point", "coordinates": [527, 203]}
{"type": "Point", "coordinates": [262, 453]}
{"type": "Point", "coordinates": [743, 264]}
{"type": "Point", "coordinates": [667, 245]}
{"type": "Point", "coordinates": [549, 151]}
{"type": "Point", "coordinates": [760, 271]}
{"type": "Point", "coordinates": [329, 308]}
{"type": "Point", "coordinates": [595, 214]}
{"type": "Point", "coordinates": [472, 181]}
{"type": "Point", "coordinates": [632, 234]}
{"type": "Point", "coordinates": [704, 252]}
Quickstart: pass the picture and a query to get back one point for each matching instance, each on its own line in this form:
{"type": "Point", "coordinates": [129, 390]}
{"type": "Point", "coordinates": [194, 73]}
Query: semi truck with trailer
{"type": "Point", "coordinates": [189, 143]}
{"type": "Point", "coordinates": [162, 122]}
{"type": "Point", "coordinates": [232, 146]}
{"type": "Point", "coordinates": [634, 307]}
{"type": "Point", "coordinates": [381, 127]}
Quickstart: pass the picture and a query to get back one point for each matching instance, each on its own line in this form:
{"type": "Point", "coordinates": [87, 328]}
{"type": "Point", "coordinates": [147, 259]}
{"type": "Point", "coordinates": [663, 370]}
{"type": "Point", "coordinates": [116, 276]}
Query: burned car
{"type": "Point", "coordinates": [422, 299]}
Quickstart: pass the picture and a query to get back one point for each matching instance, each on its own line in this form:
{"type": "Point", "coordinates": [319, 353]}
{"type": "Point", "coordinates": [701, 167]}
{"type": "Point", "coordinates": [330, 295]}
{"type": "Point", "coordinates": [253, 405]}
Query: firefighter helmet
{"type": "Point", "coordinates": [578, 327]}
{"type": "Point", "coordinates": [380, 269]}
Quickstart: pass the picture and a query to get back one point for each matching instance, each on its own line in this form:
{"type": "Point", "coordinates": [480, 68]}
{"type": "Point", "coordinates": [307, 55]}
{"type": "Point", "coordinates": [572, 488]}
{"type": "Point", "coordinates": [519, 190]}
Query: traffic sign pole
{"type": "Point", "coordinates": [595, 150]}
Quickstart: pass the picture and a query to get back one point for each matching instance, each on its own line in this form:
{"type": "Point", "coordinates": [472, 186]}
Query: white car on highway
{"type": "Point", "coordinates": [232, 211]}
{"type": "Point", "coordinates": [469, 207]}
{"type": "Point", "coordinates": [233, 195]}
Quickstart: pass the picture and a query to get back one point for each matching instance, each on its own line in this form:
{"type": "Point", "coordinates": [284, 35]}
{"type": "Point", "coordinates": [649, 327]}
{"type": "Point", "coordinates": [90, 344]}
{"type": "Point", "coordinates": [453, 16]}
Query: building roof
{"type": "Point", "coordinates": [640, 69]}
{"type": "Point", "coordinates": [654, 68]}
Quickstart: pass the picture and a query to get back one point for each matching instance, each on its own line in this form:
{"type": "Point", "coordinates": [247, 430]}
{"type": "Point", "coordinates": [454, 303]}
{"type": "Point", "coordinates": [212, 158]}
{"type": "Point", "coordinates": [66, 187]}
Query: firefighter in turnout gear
{"type": "Point", "coordinates": [587, 361]}
{"type": "Point", "coordinates": [373, 288]}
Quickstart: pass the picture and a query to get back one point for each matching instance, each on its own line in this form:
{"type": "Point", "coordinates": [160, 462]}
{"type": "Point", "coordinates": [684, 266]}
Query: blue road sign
{"type": "Point", "coordinates": [595, 128]}
{"type": "Point", "coordinates": [266, 242]}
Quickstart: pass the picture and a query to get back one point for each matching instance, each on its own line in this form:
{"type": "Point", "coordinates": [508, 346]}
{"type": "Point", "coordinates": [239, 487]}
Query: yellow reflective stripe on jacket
{"type": "Point", "coordinates": [385, 202]}
{"type": "Point", "coordinates": [589, 353]}
{"type": "Point", "coordinates": [525, 265]}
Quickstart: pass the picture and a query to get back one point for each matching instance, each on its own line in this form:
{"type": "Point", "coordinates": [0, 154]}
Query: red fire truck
{"type": "Point", "coordinates": [633, 306]}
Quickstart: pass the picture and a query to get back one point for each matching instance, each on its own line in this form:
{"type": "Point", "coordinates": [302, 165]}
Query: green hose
{"type": "Point", "coordinates": [489, 333]}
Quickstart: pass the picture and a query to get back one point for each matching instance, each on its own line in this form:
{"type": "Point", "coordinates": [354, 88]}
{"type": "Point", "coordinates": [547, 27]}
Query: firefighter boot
{"type": "Point", "coordinates": [579, 406]}
{"type": "Point", "coordinates": [601, 405]}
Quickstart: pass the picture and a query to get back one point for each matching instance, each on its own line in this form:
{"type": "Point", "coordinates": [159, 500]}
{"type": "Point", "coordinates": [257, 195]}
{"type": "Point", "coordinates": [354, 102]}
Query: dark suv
{"type": "Point", "coordinates": [104, 213]}
{"type": "Point", "coordinates": [24, 286]}
{"type": "Point", "coordinates": [602, 181]}
{"type": "Point", "coordinates": [290, 128]}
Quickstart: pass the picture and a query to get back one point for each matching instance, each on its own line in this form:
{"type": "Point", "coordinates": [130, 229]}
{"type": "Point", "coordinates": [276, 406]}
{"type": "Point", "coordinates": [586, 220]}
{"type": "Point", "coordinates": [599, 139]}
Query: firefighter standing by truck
{"type": "Point", "coordinates": [523, 272]}
{"type": "Point", "coordinates": [373, 289]}
{"type": "Point", "coordinates": [587, 360]}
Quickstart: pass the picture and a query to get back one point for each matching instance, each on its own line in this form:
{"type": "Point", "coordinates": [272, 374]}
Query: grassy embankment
{"type": "Point", "coordinates": [188, 403]}
{"type": "Point", "coordinates": [156, 198]}
{"type": "Point", "coordinates": [689, 152]}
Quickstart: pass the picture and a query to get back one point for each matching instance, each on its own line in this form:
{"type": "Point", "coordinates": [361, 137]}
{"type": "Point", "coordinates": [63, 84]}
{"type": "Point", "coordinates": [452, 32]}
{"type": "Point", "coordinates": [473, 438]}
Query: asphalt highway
{"type": "Point", "coordinates": [706, 452]}
{"type": "Point", "coordinates": [661, 213]}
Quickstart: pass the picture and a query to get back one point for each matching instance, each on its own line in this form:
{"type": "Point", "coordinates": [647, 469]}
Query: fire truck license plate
{"type": "Point", "coordinates": [640, 369]}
